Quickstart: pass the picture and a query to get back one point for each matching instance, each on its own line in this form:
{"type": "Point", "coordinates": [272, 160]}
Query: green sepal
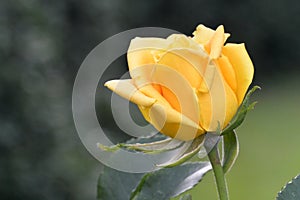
{"type": "Point", "coordinates": [230, 150]}
{"type": "Point", "coordinates": [193, 147]}
{"type": "Point", "coordinates": [241, 113]}
{"type": "Point", "coordinates": [145, 145]}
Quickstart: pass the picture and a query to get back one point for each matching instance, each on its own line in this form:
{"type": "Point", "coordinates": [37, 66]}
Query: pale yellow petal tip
{"type": "Point", "coordinates": [201, 27]}
{"type": "Point", "coordinates": [108, 83]}
{"type": "Point", "coordinates": [220, 28]}
{"type": "Point", "coordinates": [236, 44]}
{"type": "Point", "coordinates": [217, 42]}
{"type": "Point", "coordinates": [111, 84]}
{"type": "Point", "coordinates": [207, 36]}
{"type": "Point", "coordinates": [127, 90]}
{"type": "Point", "coordinates": [227, 35]}
{"type": "Point", "coordinates": [143, 43]}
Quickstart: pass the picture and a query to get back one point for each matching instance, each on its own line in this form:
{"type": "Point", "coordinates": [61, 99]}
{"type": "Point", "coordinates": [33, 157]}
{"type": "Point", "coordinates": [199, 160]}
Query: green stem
{"type": "Point", "coordinates": [214, 158]}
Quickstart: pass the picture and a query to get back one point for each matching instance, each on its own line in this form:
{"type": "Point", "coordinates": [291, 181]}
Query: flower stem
{"type": "Point", "coordinates": [214, 158]}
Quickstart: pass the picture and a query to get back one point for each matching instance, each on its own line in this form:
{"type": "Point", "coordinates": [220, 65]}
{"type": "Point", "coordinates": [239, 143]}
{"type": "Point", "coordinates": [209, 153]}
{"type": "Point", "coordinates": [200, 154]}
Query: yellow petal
{"type": "Point", "coordinates": [157, 87]}
{"type": "Point", "coordinates": [172, 123]}
{"type": "Point", "coordinates": [171, 98]}
{"type": "Point", "coordinates": [141, 77]}
{"type": "Point", "coordinates": [242, 65]}
{"type": "Point", "coordinates": [203, 35]}
{"type": "Point", "coordinates": [208, 78]}
{"type": "Point", "coordinates": [150, 91]}
{"type": "Point", "coordinates": [178, 41]}
{"type": "Point", "coordinates": [127, 90]}
{"type": "Point", "coordinates": [216, 43]}
{"type": "Point", "coordinates": [231, 105]}
{"type": "Point", "coordinates": [219, 104]}
{"type": "Point", "coordinates": [189, 60]}
{"type": "Point", "coordinates": [181, 90]}
{"type": "Point", "coordinates": [144, 51]}
{"type": "Point", "coordinates": [227, 71]}
{"type": "Point", "coordinates": [145, 112]}
{"type": "Point", "coordinates": [181, 62]}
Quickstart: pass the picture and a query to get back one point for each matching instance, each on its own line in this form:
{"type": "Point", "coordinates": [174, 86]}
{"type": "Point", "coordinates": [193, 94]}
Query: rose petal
{"type": "Point", "coordinates": [242, 65]}
{"type": "Point", "coordinates": [143, 51]}
{"type": "Point", "coordinates": [150, 91]}
{"type": "Point", "coordinates": [218, 104]}
{"type": "Point", "coordinates": [203, 35]}
{"type": "Point", "coordinates": [181, 61]}
{"type": "Point", "coordinates": [141, 77]}
{"type": "Point", "coordinates": [173, 123]}
{"type": "Point", "coordinates": [183, 93]}
{"type": "Point", "coordinates": [216, 43]}
{"type": "Point", "coordinates": [227, 72]}
{"type": "Point", "coordinates": [171, 98]}
{"type": "Point", "coordinates": [190, 60]}
{"type": "Point", "coordinates": [127, 90]}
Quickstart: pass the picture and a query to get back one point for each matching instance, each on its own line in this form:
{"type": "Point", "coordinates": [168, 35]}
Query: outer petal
{"type": "Point", "coordinates": [227, 72]}
{"type": "Point", "coordinates": [127, 90]}
{"type": "Point", "coordinates": [242, 65]}
{"type": "Point", "coordinates": [231, 105]}
{"type": "Point", "coordinates": [219, 103]}
{"type": "Point", "coordinates": [144, 51]}
{"type": "Point", "coordinates": [141, 56]}
{"type": "Point", "coordinates": [172, 123]}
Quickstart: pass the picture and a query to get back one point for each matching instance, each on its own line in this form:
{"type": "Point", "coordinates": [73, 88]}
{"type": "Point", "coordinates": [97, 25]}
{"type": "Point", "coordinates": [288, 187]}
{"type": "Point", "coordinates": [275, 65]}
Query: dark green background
{"type": "Point", "coordinates": [42, 44]}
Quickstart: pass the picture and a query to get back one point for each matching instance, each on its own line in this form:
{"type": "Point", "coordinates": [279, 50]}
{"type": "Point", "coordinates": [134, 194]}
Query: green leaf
{"type": "Point", "coordinates": [230, 150]}
{"type": "Point", "coordinates": [192, 148]}
{"type": "Point", "coordinates": [291, 191]}
{"type": "Point", "coordinates": [113, 184]}
{"type": "Point", "coordinates": [186, 197]}
{"type": "Point", "coordinates": [242, 112]}
{"type": "Point", "coordinates": [170, 182]}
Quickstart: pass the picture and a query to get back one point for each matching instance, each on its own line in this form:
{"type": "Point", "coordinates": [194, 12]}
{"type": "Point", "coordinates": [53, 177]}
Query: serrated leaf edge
{"type": "Point", "coordinates": [139, 187]}
{"type": "Point", "coordinates": [285, 186]}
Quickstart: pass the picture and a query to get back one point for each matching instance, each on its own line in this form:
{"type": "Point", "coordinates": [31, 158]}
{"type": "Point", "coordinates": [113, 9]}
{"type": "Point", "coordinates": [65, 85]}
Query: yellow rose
{"type": "Point", "coordinates": [185, 86]}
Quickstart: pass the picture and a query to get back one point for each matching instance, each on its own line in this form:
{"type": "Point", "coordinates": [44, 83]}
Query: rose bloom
{"type": "Point", "coordinates": [186, 86]}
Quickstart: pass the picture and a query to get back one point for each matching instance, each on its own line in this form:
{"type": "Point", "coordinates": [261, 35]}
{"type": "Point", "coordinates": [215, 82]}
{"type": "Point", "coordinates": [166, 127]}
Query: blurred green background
{"type": "Point", "coordinates": [42, 44]}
